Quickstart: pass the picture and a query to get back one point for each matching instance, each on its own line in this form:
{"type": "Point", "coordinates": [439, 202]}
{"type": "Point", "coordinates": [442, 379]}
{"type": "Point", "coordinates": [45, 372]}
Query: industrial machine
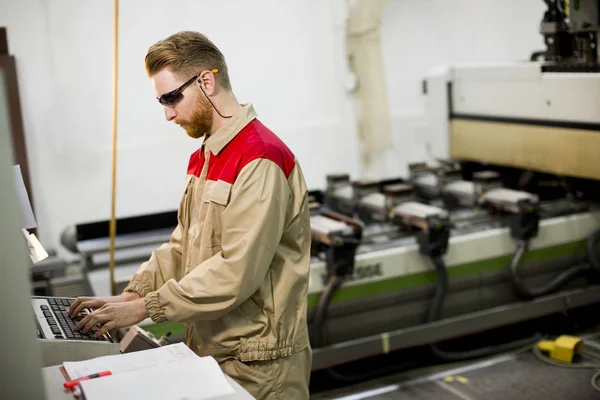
{"type": "Point", "coordinates": [431, 273]}
{"type": "Point", "coordinates": [501, 229]}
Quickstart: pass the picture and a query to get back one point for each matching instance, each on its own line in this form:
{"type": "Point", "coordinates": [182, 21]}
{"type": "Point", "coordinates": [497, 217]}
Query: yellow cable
{"type": "Point", "coordinates": [113, 221]}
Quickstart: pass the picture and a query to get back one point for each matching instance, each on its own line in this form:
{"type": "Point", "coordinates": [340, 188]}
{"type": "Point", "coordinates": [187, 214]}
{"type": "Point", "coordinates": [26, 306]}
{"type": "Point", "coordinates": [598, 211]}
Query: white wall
{"type": "Point", "coordinates": [282, 58]}
{"type": "Point", "coordinates": [285, 57]}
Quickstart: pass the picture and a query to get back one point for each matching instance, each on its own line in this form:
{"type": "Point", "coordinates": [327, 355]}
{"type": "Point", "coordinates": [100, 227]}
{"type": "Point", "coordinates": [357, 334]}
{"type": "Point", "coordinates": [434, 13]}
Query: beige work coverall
{"type": "Point", "coordinates": [237, 266]}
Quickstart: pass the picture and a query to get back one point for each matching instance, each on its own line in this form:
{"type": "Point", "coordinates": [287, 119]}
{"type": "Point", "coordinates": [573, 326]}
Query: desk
{"type": "Point", "coordinates": [53, 387]}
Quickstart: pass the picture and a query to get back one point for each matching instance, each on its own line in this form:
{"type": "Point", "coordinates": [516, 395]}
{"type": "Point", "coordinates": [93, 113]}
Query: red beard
{"type": "Point", "coordinates": [201, 121]}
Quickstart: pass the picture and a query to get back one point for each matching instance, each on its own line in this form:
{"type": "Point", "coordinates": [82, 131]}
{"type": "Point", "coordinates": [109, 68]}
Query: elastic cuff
{"type": "Point", "coordinates": [155, 311]}
{"type": "Point", "coordinates": [139, 287]}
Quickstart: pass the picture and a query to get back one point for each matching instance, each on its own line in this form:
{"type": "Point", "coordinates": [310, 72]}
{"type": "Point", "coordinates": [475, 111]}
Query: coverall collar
{"type": "Point", "coordinates": [218, 140]}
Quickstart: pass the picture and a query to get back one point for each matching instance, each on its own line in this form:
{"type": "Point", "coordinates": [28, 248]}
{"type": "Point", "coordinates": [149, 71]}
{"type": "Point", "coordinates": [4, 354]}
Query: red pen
{"type": "Point", "coordinates": [75, 382]}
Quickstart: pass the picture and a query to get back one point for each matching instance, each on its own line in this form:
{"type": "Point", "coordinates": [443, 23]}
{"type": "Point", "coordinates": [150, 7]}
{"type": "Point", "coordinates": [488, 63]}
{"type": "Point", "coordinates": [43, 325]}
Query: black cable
{"type": "Point", "coordinates": [378, 373]}
{"type": "Point", "coordinates": [435, 313]}
{"type": "Point", "coordinates": [319, 337]}
{"type": "Point", "coordinates": [211, 103]}
{"type": "Point", "coordinates": [484, 351]}
{"type": "Point", "coordinates": [556, 283]}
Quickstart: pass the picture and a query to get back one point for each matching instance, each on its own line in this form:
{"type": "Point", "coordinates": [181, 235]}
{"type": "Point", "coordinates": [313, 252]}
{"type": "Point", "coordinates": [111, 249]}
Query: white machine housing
{"type": "Point", "coordinates": [517, 115]}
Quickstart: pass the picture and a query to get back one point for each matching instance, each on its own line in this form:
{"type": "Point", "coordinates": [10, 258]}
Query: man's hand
{"type": "Point", "coordinates": [96, 302]}
{"type": "Point", "coordinates": [114, 315]}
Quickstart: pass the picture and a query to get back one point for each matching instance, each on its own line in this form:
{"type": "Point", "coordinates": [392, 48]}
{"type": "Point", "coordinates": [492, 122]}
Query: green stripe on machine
{"type": "Point", "coordinates": [424, 278]}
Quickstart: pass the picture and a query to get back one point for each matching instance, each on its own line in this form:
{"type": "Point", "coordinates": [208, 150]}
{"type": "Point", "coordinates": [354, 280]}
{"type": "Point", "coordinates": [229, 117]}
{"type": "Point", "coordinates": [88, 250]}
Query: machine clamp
{"type": "Point", "coordinates": [432, 226]}
{"type": "Point", "coordinates": [522, 208]}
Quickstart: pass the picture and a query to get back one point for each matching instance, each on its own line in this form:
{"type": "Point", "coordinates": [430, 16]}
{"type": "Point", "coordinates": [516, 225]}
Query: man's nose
{"type": "Point", "coordinates": [170, 114]}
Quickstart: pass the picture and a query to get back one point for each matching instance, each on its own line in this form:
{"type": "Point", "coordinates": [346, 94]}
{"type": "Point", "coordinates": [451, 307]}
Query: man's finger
{"type": "Point", "coordinates": [95, 321]}
{"type": "Point", "coordinates": [105, 328]}
{"type": "Point", "coordinates": [75, 311]}
{"type": "Point", "coordinates": [91, 303]}
{"type": "Point", "coordinates": [76, 304]}
{"type": "Point", "coordinates": [85, 320]}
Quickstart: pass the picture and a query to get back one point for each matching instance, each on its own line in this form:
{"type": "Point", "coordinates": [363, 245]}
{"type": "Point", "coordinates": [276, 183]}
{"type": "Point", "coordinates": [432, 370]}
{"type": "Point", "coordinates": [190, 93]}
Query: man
{"type": "Point", "coordinates": [237, 265]}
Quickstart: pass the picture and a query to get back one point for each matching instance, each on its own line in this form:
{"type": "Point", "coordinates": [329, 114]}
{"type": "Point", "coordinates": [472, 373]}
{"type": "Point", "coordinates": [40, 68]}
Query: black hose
{"type": "Point", "coordinates": [319, 337]}
{"type": "Point", "coordinates": [435, 313]}
{"type": "Point", "coordinates": [592, 243]}
{"type": "Point", "coordinates": [556, 283]}
{"type": "Point", "coordinates": [485, 351]}
{"type": "Point", "coordinates": [378, 373]}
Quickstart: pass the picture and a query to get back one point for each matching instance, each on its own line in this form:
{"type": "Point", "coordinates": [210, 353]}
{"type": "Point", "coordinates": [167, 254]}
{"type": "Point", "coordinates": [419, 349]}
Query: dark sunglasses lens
{"type": "Point", "coordinates": [170, 99]}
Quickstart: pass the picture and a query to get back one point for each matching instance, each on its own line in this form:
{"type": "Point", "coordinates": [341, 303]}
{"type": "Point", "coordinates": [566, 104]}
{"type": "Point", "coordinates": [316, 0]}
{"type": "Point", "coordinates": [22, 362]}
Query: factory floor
{"type": "Point", "coordinates": [514, 375]}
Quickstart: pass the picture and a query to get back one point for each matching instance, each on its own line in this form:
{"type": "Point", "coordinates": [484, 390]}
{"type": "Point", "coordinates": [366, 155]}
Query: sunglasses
{"type": "Point", "coordinates": [170, 99]}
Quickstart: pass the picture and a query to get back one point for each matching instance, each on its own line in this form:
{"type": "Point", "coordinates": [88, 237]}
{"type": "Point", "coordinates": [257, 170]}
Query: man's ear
{"type": "Point", "coordinates": [207, 82]}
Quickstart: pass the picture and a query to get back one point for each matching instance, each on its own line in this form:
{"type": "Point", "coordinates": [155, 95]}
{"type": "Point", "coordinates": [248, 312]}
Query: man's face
{"type": "Point", "coordinates": [193, 112]}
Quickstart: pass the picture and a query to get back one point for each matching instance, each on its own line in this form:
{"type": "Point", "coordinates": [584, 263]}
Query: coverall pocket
{"type": "Point", "coordinates": [249, 308]}
{"type": "Point", "coordinates": [220, 193]}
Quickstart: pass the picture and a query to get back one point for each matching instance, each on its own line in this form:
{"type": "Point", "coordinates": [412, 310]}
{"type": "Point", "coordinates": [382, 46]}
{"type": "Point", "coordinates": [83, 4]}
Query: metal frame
{"type": "Point", "coordinates": [451, 328]}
